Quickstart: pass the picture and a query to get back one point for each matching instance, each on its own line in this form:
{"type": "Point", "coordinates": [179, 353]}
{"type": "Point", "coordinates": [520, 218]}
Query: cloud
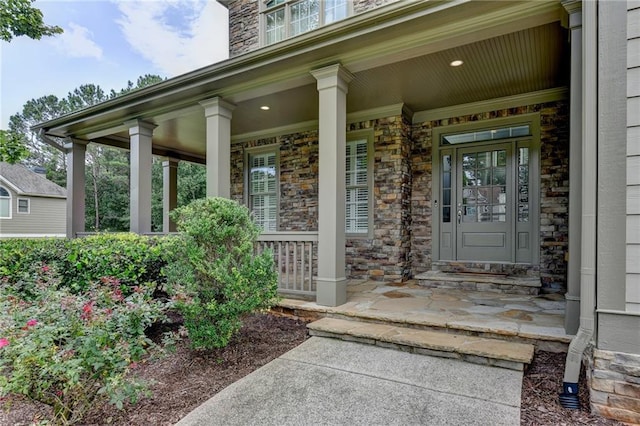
{"type": "Point", "coordinates": [76, 42]}
{"type": "Point", "coordinates": [177, 36]}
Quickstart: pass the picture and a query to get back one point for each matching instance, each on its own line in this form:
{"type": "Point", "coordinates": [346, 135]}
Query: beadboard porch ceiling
{"type": "Point", "coordinates": [404, 62]}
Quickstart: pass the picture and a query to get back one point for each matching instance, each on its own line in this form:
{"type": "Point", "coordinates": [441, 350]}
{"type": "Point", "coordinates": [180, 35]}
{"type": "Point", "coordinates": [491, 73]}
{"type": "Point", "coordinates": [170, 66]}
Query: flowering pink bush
{"type": "Point", "coordinates": [70, 350]}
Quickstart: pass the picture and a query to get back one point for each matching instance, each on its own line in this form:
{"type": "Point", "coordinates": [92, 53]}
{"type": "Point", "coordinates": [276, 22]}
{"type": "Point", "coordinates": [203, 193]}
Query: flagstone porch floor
{"type": "Point", "coordinates": [513, 317]}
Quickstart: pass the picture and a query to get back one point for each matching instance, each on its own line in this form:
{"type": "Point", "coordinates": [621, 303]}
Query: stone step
{"type": "Point", "coordinates": [480, 282]}
{"type": "Point", "coordinates": [496, 268]}
{"type": "Point", "coordinates": [472, 349]}
{"type": "Point", "coordinates": [544, 338]}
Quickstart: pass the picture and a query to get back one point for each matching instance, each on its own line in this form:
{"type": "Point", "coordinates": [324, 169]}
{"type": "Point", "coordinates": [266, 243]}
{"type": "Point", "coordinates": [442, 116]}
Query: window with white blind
{"type": "Point", "coordinates": [263, 189]}
{"type": "Point", "coordinates": [357, 187]}
{"type": "Point", "coordinates": [288, 18]}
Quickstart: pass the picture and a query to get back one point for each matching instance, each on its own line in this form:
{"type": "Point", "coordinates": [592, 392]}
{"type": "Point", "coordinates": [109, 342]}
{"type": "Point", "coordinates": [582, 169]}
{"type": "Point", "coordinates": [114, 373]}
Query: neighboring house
{"type": "Point", "coordinates": [396, 138]}
{"type": "Point", "coordinates": [30, 204]}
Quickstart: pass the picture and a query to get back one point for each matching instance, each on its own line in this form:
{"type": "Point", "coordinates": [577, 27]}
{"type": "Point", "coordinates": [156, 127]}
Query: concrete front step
{"type": "Point", "coordinates": [472, 349]}
{"type": "Point", "coordinates": [480, 282]}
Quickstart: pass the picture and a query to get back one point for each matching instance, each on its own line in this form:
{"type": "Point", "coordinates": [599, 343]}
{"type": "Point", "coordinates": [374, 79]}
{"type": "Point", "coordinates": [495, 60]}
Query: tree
{"type": "Point", "coordinates": [107, 168]}
{"type": "Point", "coordinates": [20, 18]}
{"type": "Point", "coordinates": [13, 147]}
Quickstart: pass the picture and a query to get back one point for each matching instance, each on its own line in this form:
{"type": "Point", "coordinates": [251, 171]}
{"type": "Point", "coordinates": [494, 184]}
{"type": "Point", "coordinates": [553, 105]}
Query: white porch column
{"type": "Point", "coordinates": [218, 114]}
{"type": "Point", "coordinates": [141, 161]}
{"type": "Point", "coordinates": [572, 314]}
{"type": "Point", "coordinates": [169, 193]}
{"type": "Point", "coordinates": [76, 153]}
{"type": "Point", "coordinates": [332, 87]}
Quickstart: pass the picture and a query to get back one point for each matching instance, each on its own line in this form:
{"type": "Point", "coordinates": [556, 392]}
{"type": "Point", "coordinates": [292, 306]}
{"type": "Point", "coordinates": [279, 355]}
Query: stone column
{"type": "Point", "coordinates": [572, 315]}
{"type": "Point", "coordinates": [141, 162]}
{"type": "Point", "coordinates": [332, 87]}
{"type": "Point", "coordinates": [218, 114]}
{"type": "Point", "coordinates": [76, 153]}
{"type": "Point", "coordinates": [169, 193]}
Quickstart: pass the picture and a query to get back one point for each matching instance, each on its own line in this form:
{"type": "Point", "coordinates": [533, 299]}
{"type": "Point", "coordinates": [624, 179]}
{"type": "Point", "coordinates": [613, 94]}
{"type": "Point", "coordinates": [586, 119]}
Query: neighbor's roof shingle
{"type": "Point", "coordinates": [29, 183]}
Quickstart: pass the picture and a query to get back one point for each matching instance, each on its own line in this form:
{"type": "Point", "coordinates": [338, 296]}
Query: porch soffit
{"type": "Point", "coordinates": [507, 48]}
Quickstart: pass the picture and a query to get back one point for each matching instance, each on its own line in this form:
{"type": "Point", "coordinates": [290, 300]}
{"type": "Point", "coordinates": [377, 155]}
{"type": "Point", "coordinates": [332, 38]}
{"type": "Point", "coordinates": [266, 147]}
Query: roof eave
{"type": "Point", "coordinates": [254, 59]}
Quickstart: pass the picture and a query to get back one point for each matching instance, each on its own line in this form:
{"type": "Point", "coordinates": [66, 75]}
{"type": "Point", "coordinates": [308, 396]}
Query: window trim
{"type": "Point", "coordinates": [286, 5]}
{"type": "Point", "coordinates": [28, 205]}
{"type": "Point", "coordinates": [248, 154]}
{"type": "Point", "coordinates": [354, 136]}
{"type": "Point", "coordinates": [10, 198]}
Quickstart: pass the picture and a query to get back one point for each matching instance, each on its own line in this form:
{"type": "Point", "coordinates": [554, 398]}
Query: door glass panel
{"type": "Point", "coordinates": [484, 191]}
{"type": "Point", "coordinates": [484, 159]}
{"type": "Point", "coordinates": [446, 188]}
{"type": "Point", "coordinates": [499, 176]}
{"type": "Point", "coordinates": [523, 184]}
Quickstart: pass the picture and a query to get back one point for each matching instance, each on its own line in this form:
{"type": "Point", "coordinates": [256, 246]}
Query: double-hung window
{"type": "Point", "coordinates": [263, 189]}
{"type": "Point", "coordinates": [358, 187]}
{"type": "Point", "coordinates": [288, 18]}
{"type": "Point", "coordinates": [23, 205]}
{"type": "Point", "coordinates": [5, 204]}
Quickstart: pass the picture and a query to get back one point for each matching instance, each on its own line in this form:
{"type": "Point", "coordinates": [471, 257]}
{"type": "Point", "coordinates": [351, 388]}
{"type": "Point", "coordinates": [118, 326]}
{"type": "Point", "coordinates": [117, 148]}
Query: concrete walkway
{"type": "Point", "coordinates": [333, 382]}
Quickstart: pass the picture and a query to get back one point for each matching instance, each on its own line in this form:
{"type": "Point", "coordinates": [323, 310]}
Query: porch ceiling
{"type": "Point", "coordinates": [521, 57]}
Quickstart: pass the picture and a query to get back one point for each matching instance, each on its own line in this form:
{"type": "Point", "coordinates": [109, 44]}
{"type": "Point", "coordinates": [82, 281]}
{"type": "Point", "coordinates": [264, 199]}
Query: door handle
{"type": "Point", "coordinates": [459, 216]}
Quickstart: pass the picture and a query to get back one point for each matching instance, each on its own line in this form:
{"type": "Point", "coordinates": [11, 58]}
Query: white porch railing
{"type": "Point", "coordinates": [296, 258]}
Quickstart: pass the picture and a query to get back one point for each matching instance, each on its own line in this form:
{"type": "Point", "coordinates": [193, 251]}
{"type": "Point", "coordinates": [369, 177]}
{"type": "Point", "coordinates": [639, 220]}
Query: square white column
{"type": "Point", "coordinates": [169, 193]}
{"type": "Point", "coordinates": [76, 153]}
{"type": "Point", "coordinates": [141, 162]}
{"type": "Point", "coordinates": [218, 113]}
{"type": "Point", "coordinates": [332, 87]}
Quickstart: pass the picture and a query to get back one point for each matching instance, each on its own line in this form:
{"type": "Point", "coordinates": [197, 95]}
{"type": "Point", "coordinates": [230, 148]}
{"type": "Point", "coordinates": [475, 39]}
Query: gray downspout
{"type": "Point", "coordinates": [569, 397]}
{"type": "Point", "coordinates": [42, 135]}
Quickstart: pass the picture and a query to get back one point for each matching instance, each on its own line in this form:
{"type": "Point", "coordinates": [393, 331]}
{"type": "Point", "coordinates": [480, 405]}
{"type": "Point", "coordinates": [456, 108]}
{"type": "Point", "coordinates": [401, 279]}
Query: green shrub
{"type": "Point", "coordinates": [131, 258]}
{"type": "Point", "coordinates": [215, 262]}
{"type": "Point", "coordinates": [72, 350]}
{"type": "Point", "coordinates": [17, 255]}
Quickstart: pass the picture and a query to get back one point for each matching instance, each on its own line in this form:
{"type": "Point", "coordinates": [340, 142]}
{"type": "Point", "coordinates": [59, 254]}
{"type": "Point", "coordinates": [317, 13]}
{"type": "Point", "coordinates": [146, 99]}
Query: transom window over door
{"type": "Point", "coordinates": [288, 18]}
{"type": "Point", "coordinates": [263, 193]}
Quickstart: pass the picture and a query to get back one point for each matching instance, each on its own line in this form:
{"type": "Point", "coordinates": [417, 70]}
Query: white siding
{"type": "Point", "coordinates": [633, 157]}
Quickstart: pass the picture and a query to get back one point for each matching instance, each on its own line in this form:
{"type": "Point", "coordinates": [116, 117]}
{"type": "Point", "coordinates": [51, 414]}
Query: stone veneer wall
{"type": "Point", "coordinates": [386, 256]}
{"type": "Point", "coordinates": [244, 26]}
{"type": "Point", "coordinates": [614, 379]}
{"type": "Point", "coordinates": [244, 23]}
{"type": "Point", "coordinates": [298, 178]}
{"type": "Point", "coordinates": [554, 188]}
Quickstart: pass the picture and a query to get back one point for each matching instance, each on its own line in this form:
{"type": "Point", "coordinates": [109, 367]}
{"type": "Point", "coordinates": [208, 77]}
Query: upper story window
{"type": "Point", "coordinates": [288, 18]}
{"type": "Point", "coordinates": [5, 204]}
{"type": "Point", "coordinates": [263, 189]}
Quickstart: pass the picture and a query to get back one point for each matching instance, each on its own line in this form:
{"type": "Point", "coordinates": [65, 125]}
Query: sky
{"type": "Point", "coordinates": [108, 43]}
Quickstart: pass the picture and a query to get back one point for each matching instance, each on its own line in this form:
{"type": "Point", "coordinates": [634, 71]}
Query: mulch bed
{"type": "Point", "coordinates": [185, 379]}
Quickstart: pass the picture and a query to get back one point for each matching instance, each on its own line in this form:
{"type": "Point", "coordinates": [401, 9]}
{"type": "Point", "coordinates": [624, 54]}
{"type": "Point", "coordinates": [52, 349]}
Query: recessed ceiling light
{"type": "Point", "coordinates": [456, 63]}
{"type": "Point", "coordinates": [265, 107]}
